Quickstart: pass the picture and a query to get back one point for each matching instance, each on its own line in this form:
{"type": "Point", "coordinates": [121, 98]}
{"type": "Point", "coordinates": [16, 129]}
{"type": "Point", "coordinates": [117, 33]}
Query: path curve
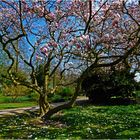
{"type": "Point", "coordinates": [33, 108]}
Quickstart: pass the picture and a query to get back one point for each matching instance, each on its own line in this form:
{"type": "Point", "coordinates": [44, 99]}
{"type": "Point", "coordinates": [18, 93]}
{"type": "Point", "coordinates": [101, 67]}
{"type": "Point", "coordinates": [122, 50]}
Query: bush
{"type": "Point", "coordinates": [56, 98]}
{"type": "Point", "coordinates": [65, 92]}
{"type": "Point", "coordinates": [62, 94]}
{"type": "Point", "coordinates": [101, 87]}
{"type": "Point", "coordinates": [32, 95]}
{"type": "Point", "coordinates": [19, 94]}
{"type": "Point", "coordinates": [13, 90]}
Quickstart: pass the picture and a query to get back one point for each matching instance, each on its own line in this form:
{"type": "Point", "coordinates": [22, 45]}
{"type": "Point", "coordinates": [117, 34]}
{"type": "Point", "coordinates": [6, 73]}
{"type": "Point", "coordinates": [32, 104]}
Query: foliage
{"type": "Point", "coordinates": [8, 88]}
{"type": "Point", "coordinates": [25, 95]}
{"type": "Point", "coordinates": [81, 122]}
{"type": "Point", "coordinates": [20, 75]}
{"type": "Point", "coordinates": [65, 91]}
{"type": "Point", "coordinates": [137, 93]}
{"type": "Point", "coordinates": [56, 98]}
{"type": "Point", "coordinates": [4, 77]}
{"type": "Point", "coordinates": [32, 95]}
{"type": "Point", "coordinates": [3, 58]}
{"type": "Point", "coordinates": [3, 71]}
{"type": "Point", "coordinates": [14, 91]}
{"type": "Point", "coordinates": [62, 94]}
{"type": "Point", "coordinates": [101, 86]}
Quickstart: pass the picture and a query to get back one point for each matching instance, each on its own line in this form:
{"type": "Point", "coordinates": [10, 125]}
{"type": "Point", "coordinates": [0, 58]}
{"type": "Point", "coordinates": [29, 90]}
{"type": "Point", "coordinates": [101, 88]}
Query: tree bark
{"type": "Point", "coordinates": [44, 105]}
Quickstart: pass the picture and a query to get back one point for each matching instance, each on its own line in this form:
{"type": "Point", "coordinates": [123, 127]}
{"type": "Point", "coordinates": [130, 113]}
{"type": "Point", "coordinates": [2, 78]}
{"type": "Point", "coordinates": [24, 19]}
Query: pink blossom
{"type": "Point", "coordinates": [65, 18]}
{"type": "Point", "coordinates": [54, 44]}
{"type": "Point", "coordinates": [85, 37]}
{"type": "Point", "coordinates": [81, 38]}
{"type": "Point", "coordinates": [117, 16]}
{"type": "Point", "coordinates": [56, 25]}
{"type": "Point", "coordinates": [44, 50]}
{"type": "Point", "coordinates": [78, 46]}
{"type": "Point", "coordinates": [115, 22]}
{"type": "Point", "coordinates": [111, 37]}
{"type": "Point", "coordinates": [106, 35]}
{"type": "Point", "coordinates": [74, 40]}
{"type": "Point", "coordinates": [66, 43]}
{"type": "Point", "coordinates": [38, 57]}
{"type": "Point", "coordinates": [51, 15]}
{"type": "Point", "coordinates": [63, 36]}
{"type": "Point", "coordinates": [70, 43]}
{"type": "Point", "coordinates": [58, 1]}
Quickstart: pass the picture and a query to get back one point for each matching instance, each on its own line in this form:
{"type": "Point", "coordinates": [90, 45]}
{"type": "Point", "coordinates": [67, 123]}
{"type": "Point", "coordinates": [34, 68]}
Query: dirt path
{"type": "Point", "coordinates": [34, 108]}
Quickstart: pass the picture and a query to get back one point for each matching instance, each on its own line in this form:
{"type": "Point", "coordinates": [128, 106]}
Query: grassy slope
{"type": "Point", "coordinates": [89, 122]}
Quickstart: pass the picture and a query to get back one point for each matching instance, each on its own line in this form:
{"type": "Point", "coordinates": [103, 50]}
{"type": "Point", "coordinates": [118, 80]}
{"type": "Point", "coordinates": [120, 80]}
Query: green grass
{"type": "Point", "coordinates": [6, 102]}
{"type": "Point", "coordinates": [7, 99]}
{"type": "Point", "coordinates": [16, 105]}
{"type": "Point", "coordinates": [80, 122]}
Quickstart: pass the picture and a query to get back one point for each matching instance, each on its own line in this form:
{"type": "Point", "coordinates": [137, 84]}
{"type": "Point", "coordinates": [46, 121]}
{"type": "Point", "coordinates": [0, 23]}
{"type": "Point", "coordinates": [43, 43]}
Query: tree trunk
{"type": "Point", "coordinates": [65, 105]}
{"type": "Point", "coordinates": [43, 99]}
{"type": "Point", "coordinates": [44, 105]}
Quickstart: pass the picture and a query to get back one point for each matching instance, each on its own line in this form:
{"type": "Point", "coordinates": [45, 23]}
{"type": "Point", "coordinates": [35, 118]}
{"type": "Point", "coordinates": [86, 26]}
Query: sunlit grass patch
{"type": "Point", "coordinates": [6, 102]}
{"type": "Point", "coordinates": [16, 105]}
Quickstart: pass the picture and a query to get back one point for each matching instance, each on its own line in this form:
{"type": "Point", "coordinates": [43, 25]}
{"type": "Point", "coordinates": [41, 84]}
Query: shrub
{"type": "Point", "coordinates": [14, 91]}
{"type": "Point", "coordinates": [101, 87]}
{"type": "Point", "coordinates": [32, 95]}
{"type": "Point", "coordinates": [62, 94]}
{"type": "Point", "coordinates": [65, 92]}
{"type": "Point", "coordinates": [56, 98]}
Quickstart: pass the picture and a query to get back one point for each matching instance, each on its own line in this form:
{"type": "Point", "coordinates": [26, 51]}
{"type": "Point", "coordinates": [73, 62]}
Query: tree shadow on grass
{"type": "Point", "coordinates": [110, 102]}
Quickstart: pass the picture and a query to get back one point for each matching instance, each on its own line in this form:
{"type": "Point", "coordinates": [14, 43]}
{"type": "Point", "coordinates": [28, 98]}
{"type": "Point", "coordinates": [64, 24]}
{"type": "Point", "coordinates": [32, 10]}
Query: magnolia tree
{"type": "Point", "coordinates": [42, 35]}
{"type": "Point", "coordinates": [67, 35]}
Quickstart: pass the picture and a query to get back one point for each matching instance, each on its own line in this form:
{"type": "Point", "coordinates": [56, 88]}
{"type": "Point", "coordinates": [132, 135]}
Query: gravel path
{"type": "Point", "coordinates": [34, 108]}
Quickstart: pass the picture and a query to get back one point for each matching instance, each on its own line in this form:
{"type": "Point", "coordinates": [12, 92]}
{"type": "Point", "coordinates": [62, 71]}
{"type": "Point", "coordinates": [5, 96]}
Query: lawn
{"type": "Point", "coordinates": [16, 105]}
{"type": "Point", "coordinates": [6, 102]}
{"type": "Point", "coordinates": [80, 122]}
